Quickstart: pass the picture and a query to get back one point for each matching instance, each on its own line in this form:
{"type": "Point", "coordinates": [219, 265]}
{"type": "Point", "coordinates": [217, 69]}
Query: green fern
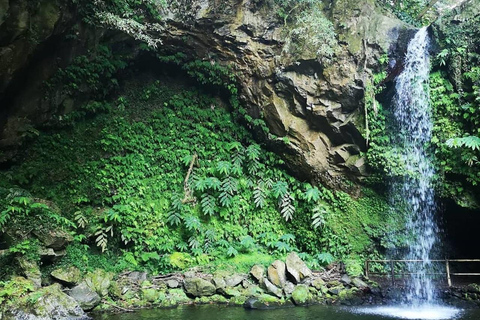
{"type": "Point", "coordinates": [312, 194]}
{"type": "Point", "coordinates": [209, 204]}
{"type": "Point", "coordinates": [259, 197]}
{"type": "Point", "coordinates": [224, 167]}
{"type": "Point", "coordinates": [214, 183]}
{"type": "Point", "coordinates": [192, 223]}
{"type": "Point", "coordinates": [471, 142]}
{"type": "Point", "coordinates": [232, 252]}
{"type": "Point", "coordinates": [318, 217]}
{"type": "Point", "coordinates": [279, 189]}
{"type": "Point", "coordinates": [287, 209]}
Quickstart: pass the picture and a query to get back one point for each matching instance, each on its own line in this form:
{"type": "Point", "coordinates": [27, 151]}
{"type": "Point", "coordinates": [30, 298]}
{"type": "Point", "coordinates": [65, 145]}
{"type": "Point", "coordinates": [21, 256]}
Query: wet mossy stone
{"type": "Point", "coordinates": [237, 301]}
{"type": "Point", "coordinates": [300, 295]}
{"type": "Point", "coordinates": [46, 303]}
{"type": "Point", "coordinates": [100, 281]}
{"type": "Point", "coordinates": [199, 287]}
{"type": "Point", "coordinates": [152, 295]}
{"type": "Point", "coordinates": [178, 295]}
{"type": "Point", "coordinates": [318, 283]}
{"type": "Point", "coordinates": [86, 296]}
{"type": "Point", "coordinates": [69, 276]}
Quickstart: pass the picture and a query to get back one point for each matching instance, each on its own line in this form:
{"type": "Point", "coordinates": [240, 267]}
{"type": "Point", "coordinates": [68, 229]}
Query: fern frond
{"type": "Point", "coordinates": [279, 189]}
{"type": "Point", "coordinates": [287, 209]}
{"type": "Point", "coordinates": [259, 197]}
{"type": "Point", "coordinates": [208, 203]}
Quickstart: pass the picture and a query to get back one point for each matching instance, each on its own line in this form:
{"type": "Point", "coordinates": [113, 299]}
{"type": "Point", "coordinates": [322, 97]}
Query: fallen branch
{"type": "Point", "coordinates": [186, 188]}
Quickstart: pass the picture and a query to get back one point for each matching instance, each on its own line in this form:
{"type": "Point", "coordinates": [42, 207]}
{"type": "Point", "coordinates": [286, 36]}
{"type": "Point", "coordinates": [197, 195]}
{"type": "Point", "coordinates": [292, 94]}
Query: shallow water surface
{"type": "Point", "coordinates": [209, 312]}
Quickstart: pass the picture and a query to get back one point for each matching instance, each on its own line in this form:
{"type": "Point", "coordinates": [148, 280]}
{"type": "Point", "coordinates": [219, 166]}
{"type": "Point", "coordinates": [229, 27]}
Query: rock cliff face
{"type": "Point", "coordinates": [315, 103]}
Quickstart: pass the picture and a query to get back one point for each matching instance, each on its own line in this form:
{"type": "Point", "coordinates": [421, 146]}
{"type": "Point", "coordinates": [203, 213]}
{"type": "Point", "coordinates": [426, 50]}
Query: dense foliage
{"type": "Point", "coordinates": [164, 177]}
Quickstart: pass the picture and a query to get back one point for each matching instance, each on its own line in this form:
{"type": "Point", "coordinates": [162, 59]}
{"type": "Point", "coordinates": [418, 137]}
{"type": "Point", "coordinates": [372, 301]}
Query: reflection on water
{"type": "Point", "coordinates": [213, 312]}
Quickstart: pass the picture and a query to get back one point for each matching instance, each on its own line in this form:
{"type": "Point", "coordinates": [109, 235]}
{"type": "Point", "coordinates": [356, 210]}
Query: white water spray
{"type": "Point", "coordinates": [414, 131]}
{"type": "Point", "coordinates": [413, 192]}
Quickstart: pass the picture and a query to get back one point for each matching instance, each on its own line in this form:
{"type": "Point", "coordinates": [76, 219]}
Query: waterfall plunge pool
{"type": "Point", "coordinates": [216, 312]}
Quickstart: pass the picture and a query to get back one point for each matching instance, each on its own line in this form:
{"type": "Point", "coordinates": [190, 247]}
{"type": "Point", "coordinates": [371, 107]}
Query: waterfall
{"type": "Point", "coordinates": [414, 190]}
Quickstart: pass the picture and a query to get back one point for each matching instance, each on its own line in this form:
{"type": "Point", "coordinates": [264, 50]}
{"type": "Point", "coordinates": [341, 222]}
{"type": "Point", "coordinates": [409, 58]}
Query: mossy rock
{"type": "Point", "coordinates": [71, 275]}
{"type": "Point", "coordinates": [237, 301]}
{"type": "Point", "coordinates": [152, 295]}
{"type": "Point", "coordinates": [217, 298]}
{"type": "Point", "coordinates": [178, 295]}
{"type": "Point", "coordinates": [44, 303]}
{"type": "Point", "coordinates": [301, 295]}
{"type": "Point", "coordinates": [199, 287]}
{"type": "Point", "coordinates": [100, 281]}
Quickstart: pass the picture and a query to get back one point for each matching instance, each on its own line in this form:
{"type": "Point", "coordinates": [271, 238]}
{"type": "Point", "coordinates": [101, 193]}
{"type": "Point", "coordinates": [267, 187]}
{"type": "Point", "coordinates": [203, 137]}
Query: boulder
{"type": "Point", "coordinates": [288, 288]}
{"type": "Point", "coordinates": [55, 239]}
{"type": "Point", "coordinates": [300, 295]}
{"type": "Point", "coordinates": [70, 276]}
{"type": "Point", "coordinates": [357, 282]}
{"type": "Point", "coordinates": [271, 288]}
{"type": "Point", "coordinates": [258, 272]}
{"type": "Point", "coordinates": [219, 282]}
{"type": "Point", "coordinates": [47, 303]}
{"type": "Point", "coordinates": [336, 290]}
{"type": "Point", "coordinates": [30, 270]}
{"type": "Point", "coordinates": [172, 283]}
{"type": "Point", "coordinates": [199, 287]}
{"type": "Point", "coordinates": [99, 281]}
{"type": "Point", "coordinates": [234, 280]}
{"type": "Point", "coordinates": [276, 273]}
{"type": "Point", "coordinates": [296, 268]}
{"type": "Point", "coordinates": [86, 297]}
{"type": "Point", "coordinates": [230, 292]}
{"type": "Point", "coordinates": [346, 279]}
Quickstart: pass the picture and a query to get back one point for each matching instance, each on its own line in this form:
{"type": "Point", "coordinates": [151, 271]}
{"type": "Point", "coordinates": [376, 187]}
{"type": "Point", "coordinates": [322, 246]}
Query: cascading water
{"type": "Point", "coordinates": [414, 191]}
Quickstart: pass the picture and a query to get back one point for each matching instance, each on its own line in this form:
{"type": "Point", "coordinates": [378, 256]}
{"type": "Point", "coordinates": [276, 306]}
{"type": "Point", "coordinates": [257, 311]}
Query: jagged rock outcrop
{"type": "Point", "coordinates": [313, 104]}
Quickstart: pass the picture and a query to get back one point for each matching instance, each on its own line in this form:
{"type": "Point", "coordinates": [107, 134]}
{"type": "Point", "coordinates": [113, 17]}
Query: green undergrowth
{"type": "Point", "coordinates": [163, 178]}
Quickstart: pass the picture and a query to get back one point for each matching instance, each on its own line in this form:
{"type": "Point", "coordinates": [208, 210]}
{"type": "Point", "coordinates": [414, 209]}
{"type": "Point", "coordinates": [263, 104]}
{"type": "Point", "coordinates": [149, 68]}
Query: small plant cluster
{"type": "Point", "coordinates": [140, 19]}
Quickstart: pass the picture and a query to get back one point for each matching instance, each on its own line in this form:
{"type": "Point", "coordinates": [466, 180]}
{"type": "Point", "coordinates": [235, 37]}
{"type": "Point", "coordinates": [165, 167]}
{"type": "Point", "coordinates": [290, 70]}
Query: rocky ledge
{"type": "Point", "coordinates": [283, 283]}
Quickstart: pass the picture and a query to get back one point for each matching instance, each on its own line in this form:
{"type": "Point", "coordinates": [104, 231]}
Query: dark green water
{"type": "Point", "coordinates": [208, 312]}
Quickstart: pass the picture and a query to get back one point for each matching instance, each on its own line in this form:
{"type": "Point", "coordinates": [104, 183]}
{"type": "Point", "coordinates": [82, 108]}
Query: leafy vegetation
{"type": "Point", "coordinates": [164, 178]}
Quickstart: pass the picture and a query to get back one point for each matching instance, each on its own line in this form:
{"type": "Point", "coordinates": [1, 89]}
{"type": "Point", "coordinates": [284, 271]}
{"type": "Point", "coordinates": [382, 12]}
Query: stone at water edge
{"type": "Point", "coordinates": [272, 288]}
{"type": "Point", "coordinates": [258, 272]}
{"type": "Point", "coordinates": [86, 297]}
{"type": "Point", "coordinates": [70, 276]}
{"type": "Point", "coordinates": [318, 283]}
{"type": "Point", "coordinates": [53, 303]}
{"type": "Point", "coordinates": [297, 268]}
{"type": "Point", "coordinates": [199, 287]}
{"type": "Point", "coordinates": [276, 273]}
{"type": "Point", "coordinates": [300, 295]}
{"type": "Point", "coordinates": [359, 284]}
